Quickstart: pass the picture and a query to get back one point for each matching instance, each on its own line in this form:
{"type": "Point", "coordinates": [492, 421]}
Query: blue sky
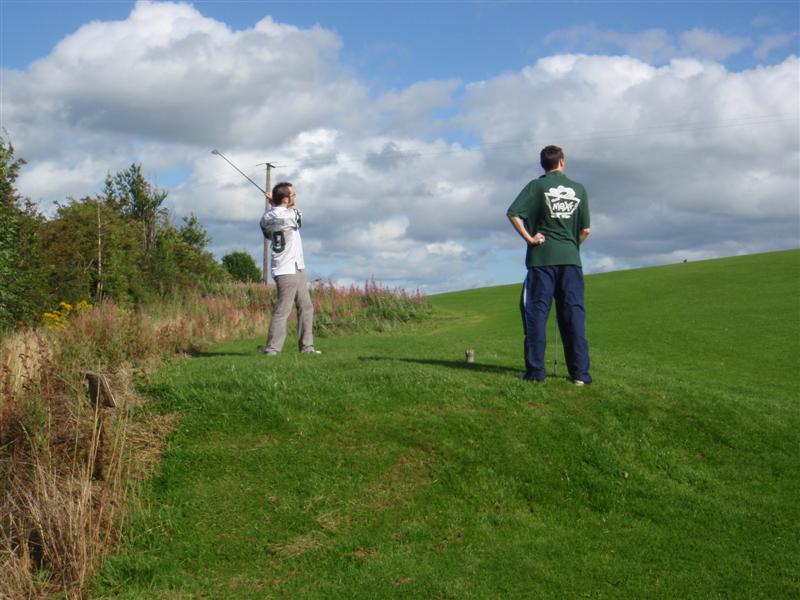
{"type": "Point", "coordinates": [409, 127]}
{"type": "Point", "coordinates": [395, 41]}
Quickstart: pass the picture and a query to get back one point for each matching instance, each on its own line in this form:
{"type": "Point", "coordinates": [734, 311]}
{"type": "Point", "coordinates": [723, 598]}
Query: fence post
{"type": "Point", "coordinates": [100, 395]}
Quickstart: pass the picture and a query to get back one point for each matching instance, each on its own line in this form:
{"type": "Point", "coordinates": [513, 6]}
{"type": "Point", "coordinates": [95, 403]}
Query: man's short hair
{"type": "Point", "coordinates": [281, 191]}
{"type": "Point", "coordinates": [550, 156]}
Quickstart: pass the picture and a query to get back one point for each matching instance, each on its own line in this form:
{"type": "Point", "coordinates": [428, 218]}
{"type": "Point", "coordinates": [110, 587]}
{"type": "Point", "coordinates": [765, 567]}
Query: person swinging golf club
{"type": "Point", "coordinates": [281, 226]}
{"type": "Point", "coordinates": [551, 214]}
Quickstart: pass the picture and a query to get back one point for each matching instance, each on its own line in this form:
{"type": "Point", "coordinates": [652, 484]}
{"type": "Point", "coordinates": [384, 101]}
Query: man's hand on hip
{"type": "Point", "coordinates": [538, 239]}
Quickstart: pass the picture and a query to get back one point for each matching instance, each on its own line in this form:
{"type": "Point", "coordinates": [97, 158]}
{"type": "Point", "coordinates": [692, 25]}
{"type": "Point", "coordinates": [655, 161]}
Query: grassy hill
{"type": "Point", "coordinates": [388, 467]}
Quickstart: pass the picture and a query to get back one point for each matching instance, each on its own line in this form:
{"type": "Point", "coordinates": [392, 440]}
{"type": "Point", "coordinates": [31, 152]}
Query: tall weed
{"type": "Point", "coordinates": [373, 307]}
{"type": "Point", "coordinates": [68, 464]}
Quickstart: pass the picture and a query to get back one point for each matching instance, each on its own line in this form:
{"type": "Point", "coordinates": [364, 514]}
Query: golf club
{"type": "Point", "coordinates": [218, 153]}
{"type": "Point", "coordinates": [555, 338]}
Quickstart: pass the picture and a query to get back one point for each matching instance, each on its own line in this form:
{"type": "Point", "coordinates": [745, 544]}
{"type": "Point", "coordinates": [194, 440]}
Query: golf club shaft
{"type": "Point", "coordinates": [238, 169]}
{"type": "Point", "coordinates": [555, 338]}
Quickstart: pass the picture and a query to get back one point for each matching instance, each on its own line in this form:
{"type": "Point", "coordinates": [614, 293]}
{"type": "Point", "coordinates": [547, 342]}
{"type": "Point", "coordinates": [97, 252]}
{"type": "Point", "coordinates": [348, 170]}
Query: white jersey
{"type": "Point", "coordinates": [281, 226]}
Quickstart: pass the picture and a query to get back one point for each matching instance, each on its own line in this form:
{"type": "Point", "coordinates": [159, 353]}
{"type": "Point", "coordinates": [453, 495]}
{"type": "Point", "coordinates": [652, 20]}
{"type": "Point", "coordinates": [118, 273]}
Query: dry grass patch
{"type": "Point", "coordinates": [400, 482]}
{"type": "Point", "coordinates": [23, 355]}
{"type": "Point", "coordinates": [302, 544]}
{"type": "Point", "coordinates": [363, 554]}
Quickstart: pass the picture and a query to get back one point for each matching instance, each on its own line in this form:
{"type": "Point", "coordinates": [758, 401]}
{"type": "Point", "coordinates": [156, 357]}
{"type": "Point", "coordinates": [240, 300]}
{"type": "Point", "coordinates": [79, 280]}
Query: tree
{"type": "Point", "coordinates": [119, 244]}
{"type": "Point", "coordinates": [10, 199]}
{"type": "Point", "coordinates": [137, 198]}
{"type": "Point", "coordinates": [193, 233]}
{"type": "Point", "coordinates": [173, 257]}
{"type": "Point", "coordinates": [241, 266]}
{"type": "Point", "coordinates": [181, 260]}
{"type": "Point", "coordinates": [91, 251]}
{"type": "Point", "coordinates": [23, 291]}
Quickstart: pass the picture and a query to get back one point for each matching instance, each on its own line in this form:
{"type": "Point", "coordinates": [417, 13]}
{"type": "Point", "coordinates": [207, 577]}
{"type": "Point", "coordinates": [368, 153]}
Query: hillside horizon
{"type": "Point", "coordinates": [639, 268]}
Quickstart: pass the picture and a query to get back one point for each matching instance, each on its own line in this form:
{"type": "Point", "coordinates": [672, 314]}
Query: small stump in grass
{"type": "Point", "coordinates": [100, 395]}
{"type": "Point", "coordinates": [99, 390]}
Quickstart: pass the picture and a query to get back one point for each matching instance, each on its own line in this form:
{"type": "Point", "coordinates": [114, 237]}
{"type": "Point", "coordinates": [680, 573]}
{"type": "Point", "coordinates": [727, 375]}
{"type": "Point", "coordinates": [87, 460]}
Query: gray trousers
{"type": "Point", "coordinates": [292, 289]}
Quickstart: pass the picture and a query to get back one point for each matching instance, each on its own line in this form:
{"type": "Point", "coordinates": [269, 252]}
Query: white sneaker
{"type": "Point", "coordinates": [578, 382]}
{"type": "Point", "coordinates": [311, 350]}
{"type": "Point", "coordinates": [265, 350]}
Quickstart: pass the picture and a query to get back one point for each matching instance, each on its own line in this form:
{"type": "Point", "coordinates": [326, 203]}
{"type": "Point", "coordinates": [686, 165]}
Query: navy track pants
{"type": "Point", "coordinates": [565, 284]}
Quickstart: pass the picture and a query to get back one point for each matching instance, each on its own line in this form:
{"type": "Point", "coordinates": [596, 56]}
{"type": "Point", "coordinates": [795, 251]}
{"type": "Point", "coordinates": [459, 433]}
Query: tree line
{"type": "Point", "coordinates": [119, 244]}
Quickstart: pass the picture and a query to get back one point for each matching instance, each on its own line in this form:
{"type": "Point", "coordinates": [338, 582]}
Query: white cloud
{"type": "Point", "coordinates": [168, 73]}
{"type": "Point", "coordinates": [651, 45]}
{"type": "Point", "coordinates": [409, 108]}
{"type": "Point", "coordinates": [711, 45]}
{"type": "Point", "coordinates": [762, 21]}
{"type": "Point", "coordinates": [774, 41]}
{"type": "Point", "coordinates": [682, 158]}
{"type": "Point", "coordinates": [677, 157]}
{"type": "Point", "coordinates": [601, 263]}
{"type": "Point", "coordinates": [46, 178]}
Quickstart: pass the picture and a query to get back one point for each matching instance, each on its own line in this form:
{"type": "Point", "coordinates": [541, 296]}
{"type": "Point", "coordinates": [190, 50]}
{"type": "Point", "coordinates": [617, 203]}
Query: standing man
{"type": "Point", "coordinates": [281, 226]}
{"type": "Point", "coordinates": [551, 214]}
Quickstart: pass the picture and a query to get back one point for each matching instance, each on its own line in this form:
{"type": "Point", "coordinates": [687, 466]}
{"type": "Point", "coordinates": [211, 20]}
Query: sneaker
{"type": "Point", "coordinates": [578, 382]}
{"type": "Point", "coordinates": [267, 351]}
{"type": "Point", "coordinates": [311, 350]}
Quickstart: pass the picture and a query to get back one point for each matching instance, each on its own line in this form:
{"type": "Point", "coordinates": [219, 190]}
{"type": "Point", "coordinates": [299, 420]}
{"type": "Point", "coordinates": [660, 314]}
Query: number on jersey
{"type": "Point", "coordinates": [278, 242]}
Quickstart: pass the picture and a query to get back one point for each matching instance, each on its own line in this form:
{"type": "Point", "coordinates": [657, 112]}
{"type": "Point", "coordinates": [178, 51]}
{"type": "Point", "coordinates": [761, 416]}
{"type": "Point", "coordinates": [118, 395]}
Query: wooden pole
{"type": "Point", "coordinates": [100, 395]}
{"type": "Point", "coordinates": [99, 293]}
{"type": "Point", "coordinates": [270, 166]}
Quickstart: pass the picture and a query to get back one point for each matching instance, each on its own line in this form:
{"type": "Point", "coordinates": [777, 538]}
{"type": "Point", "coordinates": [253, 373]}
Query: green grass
{"type": "Point", "coordinates": [387, 467]}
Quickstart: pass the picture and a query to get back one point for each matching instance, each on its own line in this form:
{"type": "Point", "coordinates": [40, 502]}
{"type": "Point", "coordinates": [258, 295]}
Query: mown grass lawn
{"type": "Point", "coordinates": [388, 467]}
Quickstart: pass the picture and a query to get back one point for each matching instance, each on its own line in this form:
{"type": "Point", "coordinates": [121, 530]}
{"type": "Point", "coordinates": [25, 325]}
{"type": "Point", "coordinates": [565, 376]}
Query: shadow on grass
{"type": "Point", "coordinates": [206, 354]}
{"type": "Point", "coordinates": [450, 364]}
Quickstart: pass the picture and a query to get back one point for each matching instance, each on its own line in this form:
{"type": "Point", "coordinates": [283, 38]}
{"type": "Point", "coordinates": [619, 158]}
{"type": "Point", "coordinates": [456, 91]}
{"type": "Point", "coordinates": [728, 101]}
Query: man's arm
{"type": "Point", "coordinates": [583, 235]}
{"type": "Point", "coordinates": [519, 225]}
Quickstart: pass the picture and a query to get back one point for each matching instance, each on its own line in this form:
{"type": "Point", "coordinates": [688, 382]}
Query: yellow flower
{"type": "Point", "coordinates": [58, 318]}
{"type": "Point", "coordinates": [82, 306]}
{"type": "Point", "coordinates": [54, 320]}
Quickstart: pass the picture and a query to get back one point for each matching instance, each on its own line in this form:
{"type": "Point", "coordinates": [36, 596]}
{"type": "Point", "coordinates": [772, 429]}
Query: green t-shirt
{"type": "Point", "coordinates": [557, 207]}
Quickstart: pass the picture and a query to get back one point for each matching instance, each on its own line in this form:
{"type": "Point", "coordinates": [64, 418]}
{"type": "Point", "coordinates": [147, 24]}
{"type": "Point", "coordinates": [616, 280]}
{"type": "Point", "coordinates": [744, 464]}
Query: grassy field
{"type": "Point", "coordinates": [388, 467]}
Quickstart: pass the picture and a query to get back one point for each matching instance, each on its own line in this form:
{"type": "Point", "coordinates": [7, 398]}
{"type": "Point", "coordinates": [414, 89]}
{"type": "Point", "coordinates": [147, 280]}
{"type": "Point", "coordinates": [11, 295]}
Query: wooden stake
{"type": "Point", "coordinates": [100, 390]}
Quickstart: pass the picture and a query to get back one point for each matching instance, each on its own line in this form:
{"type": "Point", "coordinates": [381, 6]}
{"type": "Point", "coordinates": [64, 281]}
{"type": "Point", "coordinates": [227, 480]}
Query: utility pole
{"type": "Point", "coordinates": [269, 166]}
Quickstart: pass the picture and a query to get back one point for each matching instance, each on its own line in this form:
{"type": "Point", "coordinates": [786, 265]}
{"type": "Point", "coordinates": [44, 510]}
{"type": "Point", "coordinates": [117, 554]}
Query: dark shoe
{"type": "Point", "coordinates": [529, 377]}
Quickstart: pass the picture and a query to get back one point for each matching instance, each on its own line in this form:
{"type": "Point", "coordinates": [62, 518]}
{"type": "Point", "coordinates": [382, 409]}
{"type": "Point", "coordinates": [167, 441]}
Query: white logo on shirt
{"type": "Point", "coordinates": [562, 202]}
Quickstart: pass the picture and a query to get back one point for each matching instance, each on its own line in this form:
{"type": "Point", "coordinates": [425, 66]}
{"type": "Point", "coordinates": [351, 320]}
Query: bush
{"type": "Point", "coordinates": [119, 245]}
{"type": "Point", "coordinates": [242, 267]}
{"type": "Point", "coordinates": [23, 290]}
